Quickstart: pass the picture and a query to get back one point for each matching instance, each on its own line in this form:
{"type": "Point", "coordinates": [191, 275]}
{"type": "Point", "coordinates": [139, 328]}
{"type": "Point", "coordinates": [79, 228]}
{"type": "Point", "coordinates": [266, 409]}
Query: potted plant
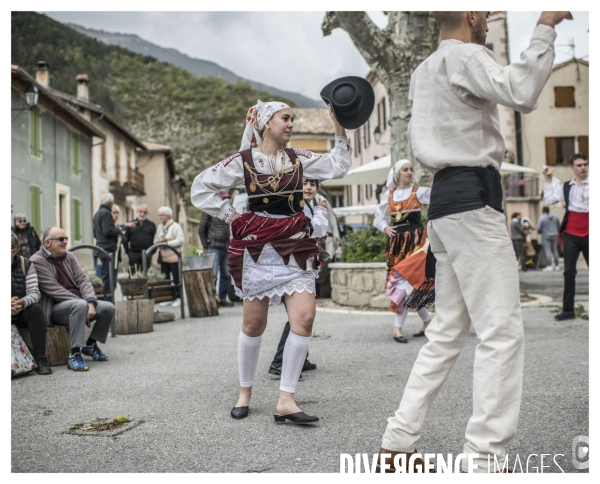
{"type": "Point", "coordinates": [197, 260]}
{"type": "Point", "coordinates": [134, 285]}
{"type": "Point", "coordinates": [97, 283]}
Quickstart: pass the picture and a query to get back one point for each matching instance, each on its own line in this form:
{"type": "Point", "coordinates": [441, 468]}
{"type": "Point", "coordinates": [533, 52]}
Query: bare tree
{"type": "Point", "coordinates": [393, 54]}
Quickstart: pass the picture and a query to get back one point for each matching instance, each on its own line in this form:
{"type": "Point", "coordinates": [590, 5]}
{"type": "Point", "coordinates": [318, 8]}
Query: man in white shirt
{"type": "Point", "coordinates": [575, 227]}
{"type": "Point", "coordinates": [455, 132]}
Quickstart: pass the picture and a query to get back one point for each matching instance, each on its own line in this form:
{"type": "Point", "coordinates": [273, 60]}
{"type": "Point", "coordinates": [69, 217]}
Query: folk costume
{"type": "Point", "coordinates": [454, 131]}
{"type": "Point", "coordinates": [272, 250]}
{"type": "Point", "coordinates": [401, 209]}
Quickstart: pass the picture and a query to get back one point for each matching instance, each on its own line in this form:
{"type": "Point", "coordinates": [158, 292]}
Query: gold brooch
{"type": "Point", "coordinates": [302, 203]}
{"type": "Point", "coordinates": [252, 187]}
{"type": "Point", "coordinates": [291, 198]}
{"type": "Point", "coordinates": [265, 200]}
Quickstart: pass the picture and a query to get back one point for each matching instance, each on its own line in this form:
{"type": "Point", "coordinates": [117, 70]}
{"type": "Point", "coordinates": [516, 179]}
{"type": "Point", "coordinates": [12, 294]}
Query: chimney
{"type": "Point", "coordinates": [42, 74]}
{"type": "Point", "coordinates": [83, 91]}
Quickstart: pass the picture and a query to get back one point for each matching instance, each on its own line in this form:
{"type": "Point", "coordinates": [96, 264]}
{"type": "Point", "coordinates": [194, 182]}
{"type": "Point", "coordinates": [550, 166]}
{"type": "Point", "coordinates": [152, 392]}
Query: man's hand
{"type": "Point", "coordinates": [130, 224]}
{"type": "Point", "coordinates": [547, 172]}
{"type": "Point", "coordinates": [553, 18]}
{"type": "Point", "coordinates": [91, 311]}
{"type": "Point", "coordinates": [391, 231]}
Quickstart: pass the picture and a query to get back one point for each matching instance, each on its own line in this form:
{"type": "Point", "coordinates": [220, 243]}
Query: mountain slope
{"type": "Point", "coordinates": [198, 67]}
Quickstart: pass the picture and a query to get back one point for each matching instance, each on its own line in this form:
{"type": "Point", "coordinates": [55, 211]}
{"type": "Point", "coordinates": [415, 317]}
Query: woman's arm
{"type": "Point", "coordinates": [382, 218]}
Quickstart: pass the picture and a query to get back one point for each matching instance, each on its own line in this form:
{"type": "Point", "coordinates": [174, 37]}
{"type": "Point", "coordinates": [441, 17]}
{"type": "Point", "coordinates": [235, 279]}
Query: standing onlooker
{"type": "Point", "coordinates": [107, 236]}
{"type": "Point", "coordinates": [214, 235]}
{"type": "Point", "coordinates": [115, 211]}
{"type": "Point", "coordinates": [140, 236]}
{"type": "Point", "coordinates": [575, 227]}
{"type": "Point", "coordinates": [29, 242]}
{"type": "Point", "coordinates": [25, 310]}
{"type": "Point", "coordinates": [548, 227]}
{"type": "Point", "coordinates": [517, 235]}
{"type": "Point", "coordinates": [169, 232]}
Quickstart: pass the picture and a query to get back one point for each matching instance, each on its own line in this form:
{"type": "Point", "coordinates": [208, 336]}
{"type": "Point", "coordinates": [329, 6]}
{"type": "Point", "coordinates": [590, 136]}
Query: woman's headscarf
{"type": "Point", "coordinates": [258, 115]}
{"type": "Point", "coordinates": [392, 179]}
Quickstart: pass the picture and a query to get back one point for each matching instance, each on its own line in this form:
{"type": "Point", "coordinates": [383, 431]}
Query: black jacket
{"type": "Point", "coordinates": [105, 230]}
{"type": "Point", "coordinates": [18, 283]}
{"type": "Point", "coordinates": [140, 237]}
{"type": "Point", "coordinates": [213, 232]}
{"type": "Point", "coordinates": [33, 241]}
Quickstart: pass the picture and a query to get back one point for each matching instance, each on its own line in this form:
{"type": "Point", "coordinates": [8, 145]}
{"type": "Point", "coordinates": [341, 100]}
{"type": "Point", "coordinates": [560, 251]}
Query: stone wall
{"type": "Point", "coordinates": [359, 284]}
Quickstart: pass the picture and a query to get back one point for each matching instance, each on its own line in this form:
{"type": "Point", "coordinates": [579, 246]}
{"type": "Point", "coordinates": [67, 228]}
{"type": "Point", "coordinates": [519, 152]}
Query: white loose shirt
{"type": "Point", "coordinates": [382, 217]}
{"type": "Point", "coordinates": [579, 196]}
{"type": "Point", "coordinates": [454, 95]}
{"type": "Point", "coordinates": [230, 173]}
{"type": "Point", "coordinates": [319, 220]}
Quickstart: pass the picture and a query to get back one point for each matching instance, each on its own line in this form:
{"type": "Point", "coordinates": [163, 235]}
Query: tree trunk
{"type": "Point", "coordinates": [134, 316]}
{"type": "Point", "coordinates": [58, 344]}
{"type": "Point", "coordinates": [200, 293]}
{"type": "Point", "coordinates": [393, 54]}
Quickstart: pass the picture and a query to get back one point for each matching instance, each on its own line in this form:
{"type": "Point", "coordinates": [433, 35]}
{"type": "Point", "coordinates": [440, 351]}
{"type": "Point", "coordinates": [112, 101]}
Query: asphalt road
{"type": "Point", "coordinates": [180, 381]}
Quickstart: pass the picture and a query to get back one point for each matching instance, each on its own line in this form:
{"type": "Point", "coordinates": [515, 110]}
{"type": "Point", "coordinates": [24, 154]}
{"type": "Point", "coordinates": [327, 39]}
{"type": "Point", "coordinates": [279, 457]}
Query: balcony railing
{"type": "Point", "coordinates": [522, 187]}
{"type": "Point", "coordinates": [134, 185]}
{"type": "Point", "coordinates": [135, 179]}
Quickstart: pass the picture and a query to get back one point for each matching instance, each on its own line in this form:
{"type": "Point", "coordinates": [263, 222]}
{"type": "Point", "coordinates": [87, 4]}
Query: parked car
{"type": "Point", "coordinates": [332, 244]}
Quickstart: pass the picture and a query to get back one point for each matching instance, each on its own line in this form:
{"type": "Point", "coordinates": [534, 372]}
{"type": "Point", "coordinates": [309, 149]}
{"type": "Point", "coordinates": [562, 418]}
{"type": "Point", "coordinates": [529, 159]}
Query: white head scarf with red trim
{"type": "Point", "coordinates": [258, 115]}
{"type": "Point", "coordinates": [392, 179]}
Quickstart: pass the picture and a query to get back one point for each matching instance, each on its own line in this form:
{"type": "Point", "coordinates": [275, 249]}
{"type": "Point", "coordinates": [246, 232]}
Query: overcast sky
{"type": "Point", "coordinates": [287, 49]}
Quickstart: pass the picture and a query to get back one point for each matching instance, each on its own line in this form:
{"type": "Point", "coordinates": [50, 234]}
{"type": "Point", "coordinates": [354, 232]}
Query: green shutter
{"type": "Point", "coordinates": [75, 154]}
{"type": "Point", "coordinates": [35, 130]}
{"type": "Point", "coordinates": [36, 207]}
{"type": "Point", "coordinates": [77, 235]}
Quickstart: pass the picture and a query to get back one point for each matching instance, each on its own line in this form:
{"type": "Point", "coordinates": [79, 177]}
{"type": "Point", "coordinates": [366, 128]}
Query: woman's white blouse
{"type": "Point", "coordinates": [382, 218]}
{"type": "Point", "coordinates": [229, 173]}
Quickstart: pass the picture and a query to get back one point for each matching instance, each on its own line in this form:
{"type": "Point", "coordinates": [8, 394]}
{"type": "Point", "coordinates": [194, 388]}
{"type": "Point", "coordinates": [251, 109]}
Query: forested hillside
{"type": "Point", "coordinates": [201, 118]}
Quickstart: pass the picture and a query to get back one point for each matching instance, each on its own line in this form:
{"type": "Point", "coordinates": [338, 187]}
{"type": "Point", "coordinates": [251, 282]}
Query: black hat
{"type": "Point", "coordinates": [352, 98]}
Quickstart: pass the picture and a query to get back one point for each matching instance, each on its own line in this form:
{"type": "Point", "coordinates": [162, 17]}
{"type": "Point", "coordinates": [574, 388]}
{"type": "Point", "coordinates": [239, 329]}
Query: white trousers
{"type": "Point", "coordinates": [476, 282]}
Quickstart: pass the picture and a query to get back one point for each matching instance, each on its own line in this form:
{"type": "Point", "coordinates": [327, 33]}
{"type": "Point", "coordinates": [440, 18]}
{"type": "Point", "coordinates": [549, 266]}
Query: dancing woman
{"type": "Point", "coordinates": [272, 252]}
{"type": "Point", "coordinates": [399, 216]}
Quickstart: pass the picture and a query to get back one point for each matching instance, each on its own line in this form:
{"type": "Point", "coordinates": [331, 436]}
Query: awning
{"type": "Point", "coordinates": [376, 172]}
{"type": "Point", "coordinates": [355, 210]}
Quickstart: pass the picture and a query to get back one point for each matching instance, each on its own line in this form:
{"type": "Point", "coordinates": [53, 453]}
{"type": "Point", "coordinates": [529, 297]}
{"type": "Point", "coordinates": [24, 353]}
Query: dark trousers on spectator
{"type": "Point", "coordinates": [135, 261]}
{"type": "Point", "coordinates": [106, 267]}
{"type": "Point", "coordinates": [519, 252]}
{"type": "Point", "coordinates": [32, 318]}
{"type": "Point", "coordinates": [221, 269]}
{"type": "Point", "coordinates": [572, 247]}
{"type": "Point", "coordinates": [171, 270]}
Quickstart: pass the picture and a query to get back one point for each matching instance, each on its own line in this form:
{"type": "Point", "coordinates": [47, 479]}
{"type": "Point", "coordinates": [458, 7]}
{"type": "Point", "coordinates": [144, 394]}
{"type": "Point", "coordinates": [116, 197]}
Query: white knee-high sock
{"type": "Point", "coordinates": [400, 318]}
{"type": "Point", "coordinates": [294, 354]}
{"type": "Point", "coordinates": [424, 314]}
{"type": "Point", "coordinates": [248, 351]}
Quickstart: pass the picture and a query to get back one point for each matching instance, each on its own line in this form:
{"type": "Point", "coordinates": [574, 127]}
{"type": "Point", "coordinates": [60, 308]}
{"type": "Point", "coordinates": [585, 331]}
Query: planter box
{"type": "Point", "coordinates": [359, 284]}
{"type": "Point", "coordinates": [200, 262]}
{"type": "Point", "coordinates": [159, 295]}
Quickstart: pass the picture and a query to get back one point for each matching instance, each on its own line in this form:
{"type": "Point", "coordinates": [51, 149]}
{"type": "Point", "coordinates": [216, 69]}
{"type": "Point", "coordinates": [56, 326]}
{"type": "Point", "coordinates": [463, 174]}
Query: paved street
{"type": "Point", "coordinates": [180, 382]}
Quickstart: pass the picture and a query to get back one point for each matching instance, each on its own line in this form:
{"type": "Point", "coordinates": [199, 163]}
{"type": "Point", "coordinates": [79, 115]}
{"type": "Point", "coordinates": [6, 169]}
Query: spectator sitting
{"type": "Point", "coordinates": [25, 310]}
{"type": "Point", "coordinates": [169, 232]}
{"type": "Point", "coordinates": [29, 241]}
{"type": "Point", "coordinates": [107, 235]}
{"type": "Point", "coordinates": [68, 298]}
{"type": "Point", "coordinates": [140, 236]}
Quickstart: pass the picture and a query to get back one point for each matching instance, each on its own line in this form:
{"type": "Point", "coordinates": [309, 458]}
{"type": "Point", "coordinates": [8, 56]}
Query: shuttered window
{"type": "Point", "coordinates": [564, 97]}
{"type": "Point", "coordinates": [103, 158]}
{"type": "Point", "coordinates": [583, 146]}
{"type": "Point", "coordinates": [35, 131]}
{"type": "Point", "coordinates": [77, 229]}
{"type": "Point", "coordinates": [117, 162]}
{"type": "Point", "coordinates": [559, 150]}
{"type": "Point", "coordinates": [75, 154]}
{"type": "Point", "coordinates": [35, 194]}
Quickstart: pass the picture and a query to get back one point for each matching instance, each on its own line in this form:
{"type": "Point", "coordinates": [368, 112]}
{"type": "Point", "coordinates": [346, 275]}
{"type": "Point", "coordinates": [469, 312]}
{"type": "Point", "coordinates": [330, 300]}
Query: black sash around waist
{"type": "Point", "coordinates": [459, 189]}
{"type": "Point", "coordinates": [413, 221]}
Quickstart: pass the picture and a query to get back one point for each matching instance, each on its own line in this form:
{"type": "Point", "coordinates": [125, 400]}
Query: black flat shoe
{"type": "Point", "coordinates": [420, 334]}
{"type": "Point", "coordinates": [298, 418]}
{"type": "Point", "coordinates": [308, 366]}
{"type": "Point", "coordinates": [565, 315]}
{"type": "Point", "coordinates": [400, 339]}
{"type": "Point", "coordinates": [239, 412]}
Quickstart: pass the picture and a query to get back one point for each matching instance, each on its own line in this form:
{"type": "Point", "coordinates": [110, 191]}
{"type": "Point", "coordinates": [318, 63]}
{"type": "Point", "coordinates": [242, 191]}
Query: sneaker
{"type": "Point", "coordinates": [164, 303]}
{"type": "Point", "coordinates": [43, 366]}
{"type": "Point", "coordinates": [548, 269]}
{"type": "Point", "coordinates": [177, 303]}
{"type": "Point", "coordinates": [76, 363]}
{"type": "Point", "coordinates": [95, 352]}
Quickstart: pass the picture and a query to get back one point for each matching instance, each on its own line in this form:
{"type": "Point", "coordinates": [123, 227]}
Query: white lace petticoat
{"type": "Point", "coordinates": [271, 277]}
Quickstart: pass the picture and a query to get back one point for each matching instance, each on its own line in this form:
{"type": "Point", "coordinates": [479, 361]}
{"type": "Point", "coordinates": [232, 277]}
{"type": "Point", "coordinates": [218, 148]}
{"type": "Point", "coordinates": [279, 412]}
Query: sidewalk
{"type": "Point", "coordinates": [181, 381]}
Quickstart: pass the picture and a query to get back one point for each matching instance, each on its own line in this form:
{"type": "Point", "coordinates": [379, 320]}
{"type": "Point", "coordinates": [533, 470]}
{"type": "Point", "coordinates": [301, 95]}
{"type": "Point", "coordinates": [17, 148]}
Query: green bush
{"type": "Point", "coordinates": [364, 245]}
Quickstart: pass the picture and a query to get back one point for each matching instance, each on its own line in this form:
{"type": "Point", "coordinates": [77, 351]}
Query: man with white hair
{"type": "Point", "coordinates": [107, 235]}
{"type": "Point", "coordinates": [169, 232]}
{"type": "Point", "coordinates": [140, 236]}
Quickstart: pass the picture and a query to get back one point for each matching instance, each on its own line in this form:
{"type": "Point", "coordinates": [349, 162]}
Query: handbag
{"type": "Point", "coordinates": [21, 360]}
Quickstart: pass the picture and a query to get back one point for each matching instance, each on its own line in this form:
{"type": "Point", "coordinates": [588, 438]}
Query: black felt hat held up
{"type": "Point", "coordinates": [352, 99]}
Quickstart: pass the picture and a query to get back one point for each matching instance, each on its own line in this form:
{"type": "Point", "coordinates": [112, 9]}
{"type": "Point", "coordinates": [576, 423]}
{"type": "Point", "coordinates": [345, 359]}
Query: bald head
{"type": "Point", "coordinates": [55, 241]}
{"type": "Point", "coordinates": [449, 20]}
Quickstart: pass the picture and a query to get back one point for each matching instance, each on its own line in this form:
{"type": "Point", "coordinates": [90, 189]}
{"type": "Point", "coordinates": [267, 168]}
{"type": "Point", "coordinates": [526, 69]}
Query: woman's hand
{"type": "Point", "coordinates": [339, 131]}
{"type": "Point", "coordinates": [391, 231]}
{"type": "Point", "coordinates": [323, 203]}
{"type": "Point", "coordinates": [235, 215]}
